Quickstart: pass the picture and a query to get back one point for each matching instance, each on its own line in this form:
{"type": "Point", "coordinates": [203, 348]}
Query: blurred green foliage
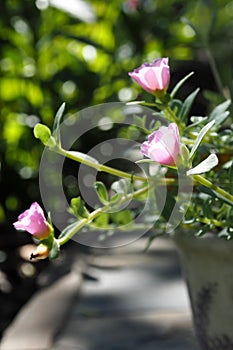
{"type": "Point", "coordinates": [49, 56]}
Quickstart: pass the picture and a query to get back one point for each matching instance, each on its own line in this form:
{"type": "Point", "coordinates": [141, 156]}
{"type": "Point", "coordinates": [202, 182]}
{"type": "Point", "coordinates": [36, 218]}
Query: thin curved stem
{"type": "Point", "coordinates": [215, 72]}
{"type": "Point", "coordinates": [171, 115]}
{"type": "Point", "coordinates": [110, 170]}
{"type": "Point", "coordinates": [203, 181]}
{"type": "Point", "coordinates": [85, 221]}
{"type": "Point", "coordinates": [100, 167]}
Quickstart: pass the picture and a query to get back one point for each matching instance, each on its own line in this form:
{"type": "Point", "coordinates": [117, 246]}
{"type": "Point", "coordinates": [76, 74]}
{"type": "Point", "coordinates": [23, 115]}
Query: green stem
{"type": "Point", "coordinates": [123, 228]}
{"type": "Point", "coordinates": [203, 181]}
{"type": "Point", "coordinates": [214, 222]}
{"type": "Point", "coordinates": [97, 212]}
{"type": "Point", "coordinates": [112, 171]}
{"type": "Point", "coordinates": [215, 71]}
{"type": "Point", "coordinates": [100, 167]}
{"type": "Point", "coordinates": [171, 115]}
{"type": "Point", "coordinates": [80, 224]}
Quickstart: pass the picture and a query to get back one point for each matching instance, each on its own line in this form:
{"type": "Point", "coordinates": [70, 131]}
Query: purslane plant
{"type": "Point", "coordinates": [180, 147]}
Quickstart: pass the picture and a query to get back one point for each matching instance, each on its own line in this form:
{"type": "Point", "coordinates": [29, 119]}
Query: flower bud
{"type": "Point", "coordinates": [41, 252]}
{"type": "Point", "coordinates": [163, 145]}
{"type": "Point", "coordinates": [153, 77]}
{"type": "Point", "coordinates": [34, 222]}
{"type": "Point", "coordinates": [184, 157]}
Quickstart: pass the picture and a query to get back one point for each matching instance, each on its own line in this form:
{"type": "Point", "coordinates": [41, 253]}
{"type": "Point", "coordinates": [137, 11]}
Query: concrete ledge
{"type": "Point", "coordinates": [145, 331]}
{"type": "Point", "coordinates": [38, 321]}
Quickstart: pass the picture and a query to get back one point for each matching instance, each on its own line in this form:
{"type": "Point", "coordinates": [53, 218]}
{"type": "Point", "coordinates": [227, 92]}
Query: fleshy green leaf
{"type": "Point", "coordinates": [115, 198]}
{"type": "Point", "coordinates": [219, 113]}
{"type": "Point", "coordinates": [206, 165]}
{"type": "Point", "coordinates": [188, 104]}
{"type": "Point", "coordinates": [123, 217]}
{"type": "Point", "coordinates": [176, 106]}
{"type": "Point", "coordinates": [200, 137]}
{"type": "Point", "coordinates": [120, 186]}
{"type": "Point", "coordinates": [140, 121]}
{"type": "Point", "coordinates": [43, 133]}
{"type": "Point", "coordinates": [49, 219]}
{"type": "Point", "coordinates": [78, 208]}
{"type": "Point", "coordinates": [102, 220]}
{"type": "Point", "coordinates": [57, 122]}
{"type": "Point", "coordinates": [101, 191]}
{"type": "Point", "coordinates": [196, 120]}
{"type": "Point", "coordinates": [179, 84]}
{"type": "Point", "coordinates": [54, 252]}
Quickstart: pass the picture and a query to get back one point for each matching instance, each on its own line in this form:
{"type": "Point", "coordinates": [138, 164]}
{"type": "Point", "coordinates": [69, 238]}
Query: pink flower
{"type": "Point", "coordinates": [153, 76]}
{"type": "Point", "coordinates": [133, 4]}
{"type": "Point", "coordinates": [163, 145]}
{"type": "Point", "coordinates": [34, 222]}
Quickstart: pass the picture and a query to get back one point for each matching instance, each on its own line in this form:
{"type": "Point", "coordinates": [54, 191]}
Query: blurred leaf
{"type": "Point", "coordinates": [122, 217]}
{"type": "Point", "coordinates": [203, 16]}
{"type": "Point", "coordinates": [226, 233]}
{"type": "Point", "coordinates": [231, 178]}
{"type": "Point", "coordinates": [214, 194]}
{"type": "Point", "coordinates": [102, 220]}
{"type": "Point", "coordinates": [167, 208]}
{"type": "Point", "coordinates": [140, 122]}
{"type": "Point", "coordinates": [202, 231]}
{"type": "Point", "coordinates": [13, 88]}
{"type": "Point", "coordinates": [201, 20]}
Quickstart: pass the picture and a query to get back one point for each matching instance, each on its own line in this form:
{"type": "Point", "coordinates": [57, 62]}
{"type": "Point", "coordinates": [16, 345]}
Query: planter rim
{"type": "Point", "coordinates": [187, 241]}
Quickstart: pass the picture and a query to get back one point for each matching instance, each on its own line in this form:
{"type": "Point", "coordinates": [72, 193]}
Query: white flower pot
{"type": "Point", "coordinates": [207, 265]}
